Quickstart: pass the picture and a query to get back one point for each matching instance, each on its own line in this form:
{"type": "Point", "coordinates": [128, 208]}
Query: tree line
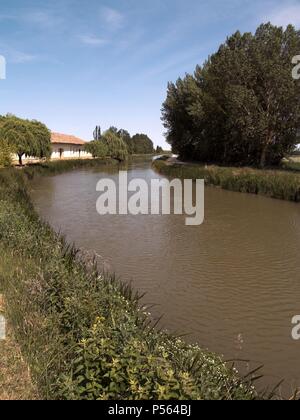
{"type": "Point", "coordinates": [121, 142]}
{"type": "Point", "coordinates": [242, 107]}
{"type": "Point", "coordinates": [32, 138]}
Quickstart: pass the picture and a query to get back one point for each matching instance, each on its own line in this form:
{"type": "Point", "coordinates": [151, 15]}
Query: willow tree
{"type": "Point", "coordinates": [116, 147]}
{"type": "Point", "coordinates": [25, 138]}
{"type": "Point", "coordinates": [126, 137]}
{"type": "Point", "coordinates": [97, 149]}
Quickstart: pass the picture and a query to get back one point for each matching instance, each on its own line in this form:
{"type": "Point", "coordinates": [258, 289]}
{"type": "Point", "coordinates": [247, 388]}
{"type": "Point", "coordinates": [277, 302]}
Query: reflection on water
{"type": "Point", "coordinates": [232, 284]}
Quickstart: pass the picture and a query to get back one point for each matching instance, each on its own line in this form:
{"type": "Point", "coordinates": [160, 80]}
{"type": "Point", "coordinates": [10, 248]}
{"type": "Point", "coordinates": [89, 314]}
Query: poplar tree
{"type": "Point", "coordinates": [243, 106]}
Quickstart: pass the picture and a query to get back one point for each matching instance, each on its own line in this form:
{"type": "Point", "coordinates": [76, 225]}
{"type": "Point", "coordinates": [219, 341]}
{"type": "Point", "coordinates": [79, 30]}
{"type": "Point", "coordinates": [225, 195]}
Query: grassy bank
{"type": "Point", "coordinates": [15, 381]}
{"type": "Point", "coordinates": [82, 333]}
{"type": "Point", "coordinates": [55, 167]}
{"type": "Point", "coordinates": [280, 184]}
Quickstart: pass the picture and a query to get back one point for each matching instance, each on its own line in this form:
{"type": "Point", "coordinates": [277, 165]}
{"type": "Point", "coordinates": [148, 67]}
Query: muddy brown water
{"type": "Point", "coordinates": [232, 284]}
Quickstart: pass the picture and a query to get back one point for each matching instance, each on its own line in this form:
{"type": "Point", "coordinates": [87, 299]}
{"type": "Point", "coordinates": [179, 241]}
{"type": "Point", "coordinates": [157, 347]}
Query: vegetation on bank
{"type": "Point", "coordinates": [15, 381]}
{"type": "Point", "coordinates": [55, 167]}
{"type": "Point", "coordinates": [32, 138]}
{"type": "Point", "coordinates": [291, 165]}
{"type": "Point", "coordinates": [242, 107]}
{"type": "Point", "coordinates": [83, 333]}
{"type": "Point", "coordinates": [284, 185]}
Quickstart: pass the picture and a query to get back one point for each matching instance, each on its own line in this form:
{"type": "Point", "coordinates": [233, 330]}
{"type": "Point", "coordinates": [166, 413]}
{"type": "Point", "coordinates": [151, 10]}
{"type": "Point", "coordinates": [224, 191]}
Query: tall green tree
{"type": "Point", "coordinates": [97, 134]}
{"type": "Point", "coordinates": [243, 106]}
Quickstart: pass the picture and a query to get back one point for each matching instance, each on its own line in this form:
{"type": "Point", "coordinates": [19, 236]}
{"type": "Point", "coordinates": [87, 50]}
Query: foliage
{"type": "Point", "coordinates": [243, 106]}
{"type": "Point", "coordinates": [97, 148]}
{"type": "Point", "coordinates": [282, 185]}
{"type": "Point", "coordinates": [159, 150]}
{"type": "Point", "coordinates": [5, 154]}
{"type": "Point", "coordinates": [97, 133]}
{"type": "Point", "coordinates": [58, 166]}
{"type": "Point", "coordinates": [116, 147]}
{"type": "Point", "coordinates": [142, 144]}
{"type": "Point", "coordinates": [125, 136]}
{"type": "Point", "coordinates": [30, 138]}
{"type": "Point", "coordinates": [291, 166]}
{"type": "Point", "coordinates": [83, 333]}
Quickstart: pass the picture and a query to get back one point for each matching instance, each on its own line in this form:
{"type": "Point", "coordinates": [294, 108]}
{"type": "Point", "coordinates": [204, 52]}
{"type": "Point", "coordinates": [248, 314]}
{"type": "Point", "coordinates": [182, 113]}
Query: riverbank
{"type": "Point", "coordinates": [279, 184]}
{"type": "Point", "coordinates": [83, 334]}
{"type": "Point", "coordinates": [15, 380]}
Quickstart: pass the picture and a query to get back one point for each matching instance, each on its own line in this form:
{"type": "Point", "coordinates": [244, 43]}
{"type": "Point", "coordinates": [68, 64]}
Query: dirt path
{"type": "Point", "coordinates": [15, 381]}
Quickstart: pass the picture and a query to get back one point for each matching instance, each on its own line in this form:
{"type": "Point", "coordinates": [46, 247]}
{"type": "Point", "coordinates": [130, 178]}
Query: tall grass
{"type": "Point", "coordinates": [82, 332]}
{"type": "Point", "coordinates": [280, 184]}
{"type": "Point", "coordinates": [291, 166]}
{"type": "Point", "coordinates": [54, 167]}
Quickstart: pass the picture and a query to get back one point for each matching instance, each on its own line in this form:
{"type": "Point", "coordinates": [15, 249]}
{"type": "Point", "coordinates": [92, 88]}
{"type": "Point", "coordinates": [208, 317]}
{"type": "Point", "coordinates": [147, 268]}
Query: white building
{"type": "Point", "coordinates": [63, 147]}
{"type": "Point", "coordinates": [67, 147]}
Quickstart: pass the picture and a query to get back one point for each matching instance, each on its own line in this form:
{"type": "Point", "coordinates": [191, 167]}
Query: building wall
{"type": "Point", "coordinates": [68, 151]}
{"type": "Point", "coordinates": [62, 151]}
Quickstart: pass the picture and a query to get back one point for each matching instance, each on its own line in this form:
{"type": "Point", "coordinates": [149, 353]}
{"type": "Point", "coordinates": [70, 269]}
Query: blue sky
{"type": "Point", "coordinates": [74, 64]}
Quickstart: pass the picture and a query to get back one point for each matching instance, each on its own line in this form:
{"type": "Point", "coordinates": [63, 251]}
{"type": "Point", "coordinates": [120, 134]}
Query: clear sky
{"type": "Point", "coordinates": [75, 64]}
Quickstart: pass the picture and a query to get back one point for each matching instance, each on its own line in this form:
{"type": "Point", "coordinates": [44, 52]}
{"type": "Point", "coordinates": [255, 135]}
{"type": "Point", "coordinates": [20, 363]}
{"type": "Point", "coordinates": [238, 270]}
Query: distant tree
{"type": "Point", "coordinates": [113, 129]}
{"type": "Point", "coordinates": [142, 144]}
{"type": "Point", "coordinates": [116, 147]}
{"type": "Point", "coordinates": [125, 136]}
{"type": "Point", "coordinates": [97, 149]}
{"type": "Point", "coordinates": [243, 106]}
{"type": "Point", "coordinates": [159, 150]}
{"type": "Point", "coordinates": [24, 137]}
{"type": "Point", "coordinates": [97, 133]}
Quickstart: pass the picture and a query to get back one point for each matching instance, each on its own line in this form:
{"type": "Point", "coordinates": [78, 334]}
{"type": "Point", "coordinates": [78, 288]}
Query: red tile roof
{"type": "Point", "coordinates": [66, 139]}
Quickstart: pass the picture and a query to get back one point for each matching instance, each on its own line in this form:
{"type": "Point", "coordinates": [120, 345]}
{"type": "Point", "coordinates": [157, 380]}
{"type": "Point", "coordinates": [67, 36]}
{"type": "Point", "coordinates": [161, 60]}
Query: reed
{"type": "Point", "coordinates": [279, 184]}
